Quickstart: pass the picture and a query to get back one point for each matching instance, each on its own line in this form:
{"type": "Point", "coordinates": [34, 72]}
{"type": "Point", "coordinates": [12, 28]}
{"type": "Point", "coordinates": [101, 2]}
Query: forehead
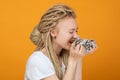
{"type": "Point", "coordinates": [67, 24]}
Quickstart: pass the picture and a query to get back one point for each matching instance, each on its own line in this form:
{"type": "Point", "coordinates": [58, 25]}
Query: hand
{"type": "Point", "coordinates": [77, 52]}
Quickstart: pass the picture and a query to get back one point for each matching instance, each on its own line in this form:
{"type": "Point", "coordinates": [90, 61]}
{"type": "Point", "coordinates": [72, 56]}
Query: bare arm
{"type": "Point", "coordinates": [75, 67]}
{"type": "Point", "coordinates": [78, 73]}
{"type": "Point", "coordinates": [70, 72]}
{"type": "Point", "coordinates": [75, 55]}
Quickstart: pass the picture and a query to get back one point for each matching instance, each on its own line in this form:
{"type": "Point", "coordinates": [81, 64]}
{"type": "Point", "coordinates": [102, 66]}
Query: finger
{"type": "Point", "coordinates": [81, 48]}
{"type": "Point", "coordinates": [92, 50]}
{"type": "Point", "coordinates": [78, 47]}
{"type": "Point", "coordinates": [83, 51]}
{"type": "Point", "coordinates": [72, 45]}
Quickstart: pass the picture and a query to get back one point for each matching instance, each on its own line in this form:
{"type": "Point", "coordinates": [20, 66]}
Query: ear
{"type": "Point", "coordinates": [53, 33]}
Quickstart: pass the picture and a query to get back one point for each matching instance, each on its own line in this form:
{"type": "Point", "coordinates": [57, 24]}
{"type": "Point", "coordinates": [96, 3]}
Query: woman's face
{"type": "Point", "coordinates": [66, 32]}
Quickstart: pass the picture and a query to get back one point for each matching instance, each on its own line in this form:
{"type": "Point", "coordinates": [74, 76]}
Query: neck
{"type": "Point", "coordinates": [57, 49]}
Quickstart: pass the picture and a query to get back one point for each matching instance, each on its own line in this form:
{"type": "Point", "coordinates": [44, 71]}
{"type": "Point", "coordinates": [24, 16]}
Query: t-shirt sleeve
{"type": "Point", "coordinates": [39, 68]}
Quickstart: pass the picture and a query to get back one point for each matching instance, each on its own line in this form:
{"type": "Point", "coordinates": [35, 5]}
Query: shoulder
{"type": "Point", "coordinates": [39, 59]}
{"type": "Point", "coordinates": [39, 66]}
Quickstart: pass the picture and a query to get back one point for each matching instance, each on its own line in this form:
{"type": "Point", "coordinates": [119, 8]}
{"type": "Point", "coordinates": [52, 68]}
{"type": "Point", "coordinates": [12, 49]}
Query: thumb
{"type": "Point", "coordinates": [73, 45]}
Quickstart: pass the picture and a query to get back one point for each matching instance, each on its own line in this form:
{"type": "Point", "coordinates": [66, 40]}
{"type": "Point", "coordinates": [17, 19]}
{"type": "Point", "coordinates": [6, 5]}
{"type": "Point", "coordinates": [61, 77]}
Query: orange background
{"type": "Point", "coordinates": [97, 19]}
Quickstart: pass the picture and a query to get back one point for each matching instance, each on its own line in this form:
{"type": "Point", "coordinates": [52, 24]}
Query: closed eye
{"type": "Point", "coordinates": [71, 32]}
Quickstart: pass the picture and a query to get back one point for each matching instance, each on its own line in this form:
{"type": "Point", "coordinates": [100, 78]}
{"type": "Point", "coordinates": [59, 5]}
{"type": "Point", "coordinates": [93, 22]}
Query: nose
{"type": "Point", "coordinates": [75, 35]}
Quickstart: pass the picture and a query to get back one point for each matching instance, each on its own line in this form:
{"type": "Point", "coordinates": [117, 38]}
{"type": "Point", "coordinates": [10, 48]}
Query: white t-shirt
{"type": "Point", "coordinates": [39, 66]}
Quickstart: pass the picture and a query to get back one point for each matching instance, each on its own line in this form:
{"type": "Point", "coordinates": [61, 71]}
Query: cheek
{"type": "Point", "coordinates": [64, 38]}
{"type": "Point", "coordinates": [63, 41]}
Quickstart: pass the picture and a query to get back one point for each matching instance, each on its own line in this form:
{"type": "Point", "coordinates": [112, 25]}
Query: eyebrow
{"type": "Point", "coordinates": [73, 28]}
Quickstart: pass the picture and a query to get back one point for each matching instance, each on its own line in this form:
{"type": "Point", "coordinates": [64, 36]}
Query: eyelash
{"type": "Point", "coordinates": [72, 32]}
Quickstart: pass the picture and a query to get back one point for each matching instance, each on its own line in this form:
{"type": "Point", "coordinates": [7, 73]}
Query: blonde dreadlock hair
{"type": "Point", "coordinates": [41, 37]}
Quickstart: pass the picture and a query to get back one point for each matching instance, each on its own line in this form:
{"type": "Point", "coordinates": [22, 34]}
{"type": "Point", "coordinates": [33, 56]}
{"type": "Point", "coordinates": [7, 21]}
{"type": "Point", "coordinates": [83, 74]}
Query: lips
{"type": "Point", "coordinates": [71, 41]}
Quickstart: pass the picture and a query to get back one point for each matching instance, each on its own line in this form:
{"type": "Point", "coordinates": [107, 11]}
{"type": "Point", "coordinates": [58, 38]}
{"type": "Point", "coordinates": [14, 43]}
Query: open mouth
{"type": "Point", "coordinates": [71, 41]}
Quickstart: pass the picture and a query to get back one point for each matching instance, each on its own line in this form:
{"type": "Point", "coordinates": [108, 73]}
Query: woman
{"type": "Point", "coordinates": [55, 57]}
